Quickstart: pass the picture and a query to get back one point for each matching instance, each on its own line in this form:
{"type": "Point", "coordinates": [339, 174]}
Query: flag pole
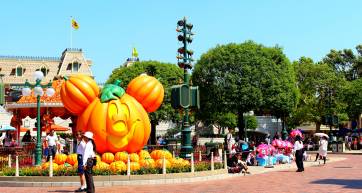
{"type": "Point", "coordinates": [71, 33]}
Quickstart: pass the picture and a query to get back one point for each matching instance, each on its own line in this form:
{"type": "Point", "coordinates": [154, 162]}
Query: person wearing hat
{"type": "Point", "coordinates": [80, 150]}
{"type": "Point", "coordinates": [89, 160]}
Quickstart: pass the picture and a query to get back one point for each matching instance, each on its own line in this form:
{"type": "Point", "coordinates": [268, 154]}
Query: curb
{"type": "Point", "coordinates": [105, 181]}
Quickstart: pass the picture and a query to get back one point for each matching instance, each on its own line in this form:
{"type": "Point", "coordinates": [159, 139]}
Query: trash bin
{"type": "Point", "coordinates": [341, 146]}
{"type": "Point", "coordinates": [334, 147]}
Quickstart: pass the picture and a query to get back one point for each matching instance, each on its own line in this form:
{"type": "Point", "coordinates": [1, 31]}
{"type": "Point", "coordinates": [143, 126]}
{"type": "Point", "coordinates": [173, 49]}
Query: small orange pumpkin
{"type": "Point", "coordinates": [148, 91]}
{"type": "Point", "coordinates": [121, 156]}
{"type": "Point", "coordinates": [101, 166]}
{"type": "Point", "coordinates": [134, 157]}
{"type": "Point", "coordinates": [77, 92]}
{"type": "Point", "coordinates": [108, 157]}
{"type": "Point", "coordinates": [147, 163]}
{"type": "Point", "coordinates": [160, 161]}
{"type": "Point", "coordinates": [135, 166]}
{"type": "Point", "coordinates": [72, 159]}
{"type": "Point", "coordinates": [144, 154]}
{"type": "Point", "coordinates": [118, 166]}
{"type": "Point", "coordinates": [45, 166]}
{"type": "Point", "coordinates": [159, 154]}
{"type": "Point", "coordinates": [60, 158]}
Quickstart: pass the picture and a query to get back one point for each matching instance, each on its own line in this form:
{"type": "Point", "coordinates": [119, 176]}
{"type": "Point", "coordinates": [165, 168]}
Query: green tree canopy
{"type": "Point", "coordinates": [320, 87]}
{"type": "Point", "coordinates": [242, 77]}
{"type": "Point", "coordinates": [346, 62]}
{"type": "Point", "coordinates": [168, 74]}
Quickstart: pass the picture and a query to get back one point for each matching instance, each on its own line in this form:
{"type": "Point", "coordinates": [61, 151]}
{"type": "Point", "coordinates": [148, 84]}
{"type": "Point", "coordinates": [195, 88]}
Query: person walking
{"type": "Point", "coordinates": [298, 149]}
{"type": "Point", "coordinates": [323, 148]}
{"type": "Point", "coordinates": [51, 143]}
{"type": "Point", "coordinates": [80, 151]}
{"type": "Point", "coordinates": [89, 160]}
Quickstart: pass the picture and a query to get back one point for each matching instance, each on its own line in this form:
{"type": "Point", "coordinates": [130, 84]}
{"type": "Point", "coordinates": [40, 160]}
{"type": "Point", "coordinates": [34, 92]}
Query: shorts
{"type": "Point", "coordinates": [46, 152]}
{"type": "Point", "coordinates": [80, 164]}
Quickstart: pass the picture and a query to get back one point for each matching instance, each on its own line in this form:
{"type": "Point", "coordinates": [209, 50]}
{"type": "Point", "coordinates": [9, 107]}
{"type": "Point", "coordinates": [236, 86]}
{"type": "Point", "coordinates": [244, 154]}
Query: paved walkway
{"type": "Point", "coordinates": [343, 176]}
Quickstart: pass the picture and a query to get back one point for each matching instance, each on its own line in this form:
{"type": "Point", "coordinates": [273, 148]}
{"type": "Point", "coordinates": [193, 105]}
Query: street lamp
{"type": "Point", "coordinates": [38, 92]}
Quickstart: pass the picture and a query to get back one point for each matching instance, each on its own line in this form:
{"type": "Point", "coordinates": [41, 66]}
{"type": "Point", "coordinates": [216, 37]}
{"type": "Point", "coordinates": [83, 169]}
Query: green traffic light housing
{"type": "Point", "coordinates": [189, 26]}
{"type": "Point", "coordinates": [181, 23]}
{"type": "Point", "coordinates": [180, 38]}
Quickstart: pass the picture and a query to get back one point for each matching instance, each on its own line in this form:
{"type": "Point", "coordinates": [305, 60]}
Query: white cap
{"type": "Point", "coordinates": [88, 135]}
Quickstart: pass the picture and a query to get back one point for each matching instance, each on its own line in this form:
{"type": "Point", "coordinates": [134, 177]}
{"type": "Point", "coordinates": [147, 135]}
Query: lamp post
{"type": "Point", "coordinates": [185, 96]}
{"type": "Point", "coordinates": [38, 92]}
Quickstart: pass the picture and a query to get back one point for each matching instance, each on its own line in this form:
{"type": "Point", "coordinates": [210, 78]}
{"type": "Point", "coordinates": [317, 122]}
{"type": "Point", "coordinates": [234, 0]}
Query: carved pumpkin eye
{"type": "Point", "coordinates": [118, 115]}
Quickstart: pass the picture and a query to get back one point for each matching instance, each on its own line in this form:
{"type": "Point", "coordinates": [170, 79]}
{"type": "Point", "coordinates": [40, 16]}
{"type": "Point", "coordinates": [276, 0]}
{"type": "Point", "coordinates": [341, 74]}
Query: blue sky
{"type": "Point", "coordinates": [109, 29]}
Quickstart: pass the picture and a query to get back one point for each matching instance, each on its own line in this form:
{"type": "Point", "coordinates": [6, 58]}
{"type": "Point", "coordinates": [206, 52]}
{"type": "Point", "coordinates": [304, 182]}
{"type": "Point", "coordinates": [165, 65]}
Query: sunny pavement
{"type": "Point", "coordinates": [335, 177]}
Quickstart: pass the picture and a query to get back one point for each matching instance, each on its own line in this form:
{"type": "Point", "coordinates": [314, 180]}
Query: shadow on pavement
{"type": "Point", "coordinates": [61, 191]}
{"type": "Point", "coordinates": [353, 184]}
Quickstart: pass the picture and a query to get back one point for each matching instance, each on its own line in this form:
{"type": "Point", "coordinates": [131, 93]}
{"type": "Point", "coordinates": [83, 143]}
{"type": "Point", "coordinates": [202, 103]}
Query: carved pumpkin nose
{"type": "Point", "coordinates": [118, 114]}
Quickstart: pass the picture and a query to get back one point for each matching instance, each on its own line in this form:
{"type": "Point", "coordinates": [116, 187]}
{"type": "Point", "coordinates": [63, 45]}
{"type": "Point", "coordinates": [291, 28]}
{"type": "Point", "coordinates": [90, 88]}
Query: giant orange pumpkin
{"type": "Point", "coordinates": [118, 125]}
{"type": "Point", "coordinates": [148, 91]}
{"type": "Point", "coordinates": [78, 92]}
{"type": "Point", "coordinates": [118, 121]}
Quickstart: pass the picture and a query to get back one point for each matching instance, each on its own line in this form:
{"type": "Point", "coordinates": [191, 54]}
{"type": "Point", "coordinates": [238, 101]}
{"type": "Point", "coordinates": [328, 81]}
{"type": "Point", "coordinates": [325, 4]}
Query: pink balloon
{"type": "Point", "coordinates": [295, 132]}
{"type": "Point", "coordinates": [274, 143]}
{"type": "Point", "coordinates": [263, 150]}
{"type": "Point", "coordinates": [279, 144]}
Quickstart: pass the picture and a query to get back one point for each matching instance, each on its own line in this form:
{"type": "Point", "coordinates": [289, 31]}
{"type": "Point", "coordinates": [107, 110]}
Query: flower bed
{"type": "Point", "coordinates": [108, 164]}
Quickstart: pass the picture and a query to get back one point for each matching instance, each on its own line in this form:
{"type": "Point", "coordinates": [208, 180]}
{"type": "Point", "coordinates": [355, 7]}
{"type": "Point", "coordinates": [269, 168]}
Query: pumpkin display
{"type": "Point", "coordinates": [119, 121]}
{"type": "Point", "coordinates": [101, 166]}
{"type": "Point", "coordinates": [118, 166]}
{"type": "Point", "coordinates": [148, 91]}
{"type": "Point", "coordinates": [72, 159]}
{"type": "Point", "coordinates": [159, 162]}
{"type": "Point", "coordinates": [135, 166]}
{"type": "Point", "coordinates": [108, 157]}
{"type": "Point", "coordinates": [77, 92]}
{"type": "Point", "coordinates": [45, 166]}
{"type": "Point", "coordinates": [98, 158]}
{"type": "Point", "coordinates": [121, 156]}
{"type": "Point", "coordinates": [144, 154]}
{"type": "Point", "coordinates": [134, 157]}
{"type": "Point", "coordinates": [177, 162]}
{"type": "Point", "coordinates": [60, 158]}
{"type": "Point", "coordinates": [159, 154]}
{"type": "Point", "coordinates": [147, 163]}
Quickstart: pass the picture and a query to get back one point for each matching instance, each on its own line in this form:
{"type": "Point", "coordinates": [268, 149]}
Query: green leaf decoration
{"type": "Point", "coordinates": [112, 91]}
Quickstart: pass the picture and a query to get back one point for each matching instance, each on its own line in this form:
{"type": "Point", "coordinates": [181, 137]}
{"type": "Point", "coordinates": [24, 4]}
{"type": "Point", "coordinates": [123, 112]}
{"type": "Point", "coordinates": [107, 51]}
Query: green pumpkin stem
{"type": "Point", "coordinates": [112, 91]}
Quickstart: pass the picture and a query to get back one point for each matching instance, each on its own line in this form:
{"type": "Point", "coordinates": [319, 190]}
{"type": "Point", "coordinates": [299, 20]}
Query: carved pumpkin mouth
{"type": "Point", "coordinates": [118, 116]}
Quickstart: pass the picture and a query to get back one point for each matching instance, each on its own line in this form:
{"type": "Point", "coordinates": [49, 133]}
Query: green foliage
{"type": "Point", "coordinates": [238, 78]}
{"type": "Point", "coordinates": [228, 120]}
{"type": "Point", "coordinates": [251, 122]}
{"type": "Point", "coordinates": [345, 62]}
{"type": "Point", "coordinates": [320, 87]}
{"type": "Point", "coordinates": [352, 95]}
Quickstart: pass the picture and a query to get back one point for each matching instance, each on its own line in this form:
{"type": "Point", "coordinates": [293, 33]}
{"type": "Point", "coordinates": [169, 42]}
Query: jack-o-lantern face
{"type": "Point", "coordinates": [118, 125]}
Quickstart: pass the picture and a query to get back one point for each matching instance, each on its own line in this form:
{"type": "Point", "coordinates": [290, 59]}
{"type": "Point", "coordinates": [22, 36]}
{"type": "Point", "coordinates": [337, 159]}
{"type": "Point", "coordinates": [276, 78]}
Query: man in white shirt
{"type": "Point", "coordinates": [51, 140]}
{"type": "Point", "coordinates": [298, 149]}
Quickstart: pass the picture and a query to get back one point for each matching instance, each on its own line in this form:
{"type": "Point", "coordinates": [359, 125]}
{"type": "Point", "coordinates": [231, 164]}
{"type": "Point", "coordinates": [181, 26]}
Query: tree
{"type": "Point", "coordinates": [238, 78]}
{"type": "Point", "coordinates": [352, 95]}
{"type": "Point", "coordinates": [251, 122]}
{"type": "Point", "coordinates": [346, 62]}
{"type": "Point", "coordinates": [320, 87]}
{"type": "Point", "coordinates": [225, 120]}
{"type": "Point", "coordinates": [168, 74]}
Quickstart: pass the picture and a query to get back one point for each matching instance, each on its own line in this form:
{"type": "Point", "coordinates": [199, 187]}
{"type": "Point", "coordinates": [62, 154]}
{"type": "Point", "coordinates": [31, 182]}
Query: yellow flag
{"type": "Point", "coordinates": [75, 24]}
{"type": "Point", "coordinates": [134, 53]}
